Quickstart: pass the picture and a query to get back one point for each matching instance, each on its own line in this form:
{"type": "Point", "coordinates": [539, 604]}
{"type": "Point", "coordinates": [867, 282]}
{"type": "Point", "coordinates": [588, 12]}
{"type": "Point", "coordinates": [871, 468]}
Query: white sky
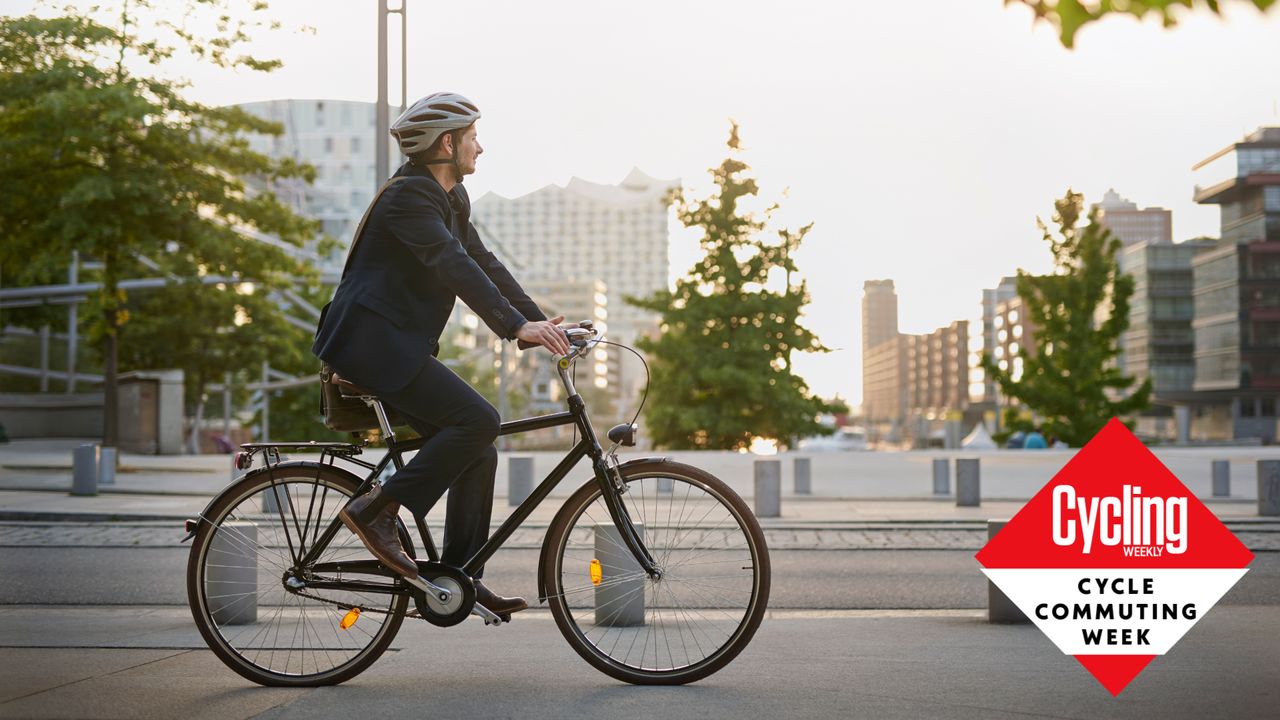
{"type": "Point", "coordinates": [923, 138]}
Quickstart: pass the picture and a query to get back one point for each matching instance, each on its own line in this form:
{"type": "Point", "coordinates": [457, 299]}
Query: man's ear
{"type": "Point", "coordinates": [446, 143]}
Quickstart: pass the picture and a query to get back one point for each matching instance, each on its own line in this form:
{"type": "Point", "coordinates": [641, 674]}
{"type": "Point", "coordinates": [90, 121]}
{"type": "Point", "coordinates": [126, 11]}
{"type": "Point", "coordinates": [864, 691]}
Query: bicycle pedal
{"type": "Point", "coordinates": [489, 617]}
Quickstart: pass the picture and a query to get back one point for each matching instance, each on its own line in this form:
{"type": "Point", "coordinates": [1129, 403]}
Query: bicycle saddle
{"type": "Point", "coordinates": [349, 388]}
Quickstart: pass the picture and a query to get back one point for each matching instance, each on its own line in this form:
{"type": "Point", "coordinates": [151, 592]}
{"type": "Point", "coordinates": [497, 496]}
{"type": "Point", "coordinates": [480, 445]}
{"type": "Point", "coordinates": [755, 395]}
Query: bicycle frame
{"type": "Point", "coordinates": [588, 446]}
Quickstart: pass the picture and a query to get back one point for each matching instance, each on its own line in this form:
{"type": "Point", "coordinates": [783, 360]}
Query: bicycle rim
{"type": "Point", "coordinates": [240, 563]}
{"type": "Point", "coordinates": [698, 615]}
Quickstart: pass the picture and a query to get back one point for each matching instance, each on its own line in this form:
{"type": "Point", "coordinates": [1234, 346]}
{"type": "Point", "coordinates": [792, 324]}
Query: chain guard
{"type": "Point", "coordinates": [459, 606]}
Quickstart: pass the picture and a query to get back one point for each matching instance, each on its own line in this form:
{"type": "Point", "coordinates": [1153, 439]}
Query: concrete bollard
{"type": "Point", "coordinates": [1221, 478]}
{"type": "Point", "coordinates": [519, 479]}
{"type": "Point", "coordinates": [941, 476]}
{"type": "Point", "coordinates": [619, 603]}
{"type": "Point", "coordinates": [768, 488]}
{"type": "Point", "coordinates": [666, 486]}
{"type": "Point", "coordinates": [1269, 487]}
{"type": "Point", "coordinates": [231, 583]}
{"type": "Point", "coordinates": [84, 470]}
{"type": "Point", "coordinates": [804, 476]}
{"type": "Point", "coordinates": [107, 466]}
{"type": "Point", "coordinates": [1000, 609]}
{"type": "Point", "coordinates": [968, 484]}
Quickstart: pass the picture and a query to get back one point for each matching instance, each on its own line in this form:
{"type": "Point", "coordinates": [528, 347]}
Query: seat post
{"type": "Point", "coordinates": [383, 422]}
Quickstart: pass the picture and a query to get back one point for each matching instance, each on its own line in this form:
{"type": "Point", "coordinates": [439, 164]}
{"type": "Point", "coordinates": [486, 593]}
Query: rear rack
{"type": "Point", "coordinates": [271, 451]}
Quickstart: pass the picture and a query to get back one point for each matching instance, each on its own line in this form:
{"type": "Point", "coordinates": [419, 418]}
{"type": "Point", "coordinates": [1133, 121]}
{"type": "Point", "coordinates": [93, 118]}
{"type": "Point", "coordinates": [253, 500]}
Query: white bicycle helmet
{"type": "Point", "coordinates": [426, 120]}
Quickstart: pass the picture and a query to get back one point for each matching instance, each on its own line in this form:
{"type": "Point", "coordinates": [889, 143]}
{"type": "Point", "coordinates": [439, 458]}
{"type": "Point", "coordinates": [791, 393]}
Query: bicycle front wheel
{"type": "Point", "coordinates": [253, 600]}
{"type": "Point", "coordinates": [697, 615]}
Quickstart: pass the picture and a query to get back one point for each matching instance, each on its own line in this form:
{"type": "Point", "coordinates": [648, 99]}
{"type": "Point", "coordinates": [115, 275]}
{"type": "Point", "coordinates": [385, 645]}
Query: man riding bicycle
{"type": "Point", "coordinates": [419, 253]}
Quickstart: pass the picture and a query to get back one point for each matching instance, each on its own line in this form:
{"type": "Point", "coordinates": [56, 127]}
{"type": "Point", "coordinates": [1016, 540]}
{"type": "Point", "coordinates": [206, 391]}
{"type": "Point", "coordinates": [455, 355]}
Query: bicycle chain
{"type": "Point", "coordinates": [348, 606]}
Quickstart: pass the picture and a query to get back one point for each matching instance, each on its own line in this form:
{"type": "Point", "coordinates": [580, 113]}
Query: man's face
{"type": "Point", "coordinates": [468, 150]}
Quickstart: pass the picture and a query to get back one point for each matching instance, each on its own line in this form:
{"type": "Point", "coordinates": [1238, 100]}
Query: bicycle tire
{"type": "Point", "coordinates": [256, 568]}
{"type": "Point", "coordinates": [721, 534]}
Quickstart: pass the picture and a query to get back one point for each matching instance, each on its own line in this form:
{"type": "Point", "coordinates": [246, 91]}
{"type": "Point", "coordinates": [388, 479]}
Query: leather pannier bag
{"type": "Point", "coordinates": [344, 413]}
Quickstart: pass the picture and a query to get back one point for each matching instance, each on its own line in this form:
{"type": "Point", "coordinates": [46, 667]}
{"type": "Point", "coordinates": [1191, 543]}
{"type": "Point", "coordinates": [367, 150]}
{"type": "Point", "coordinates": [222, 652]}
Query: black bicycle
{"type": "Point", "coordinates": [655, 572]}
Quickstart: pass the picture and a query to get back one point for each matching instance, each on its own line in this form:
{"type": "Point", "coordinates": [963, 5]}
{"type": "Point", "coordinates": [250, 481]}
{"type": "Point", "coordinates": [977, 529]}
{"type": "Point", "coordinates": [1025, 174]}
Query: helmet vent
{"type": "Point", "coordinates": [428, 116]}
{"type": "Point", "coordinates": [448, 108]}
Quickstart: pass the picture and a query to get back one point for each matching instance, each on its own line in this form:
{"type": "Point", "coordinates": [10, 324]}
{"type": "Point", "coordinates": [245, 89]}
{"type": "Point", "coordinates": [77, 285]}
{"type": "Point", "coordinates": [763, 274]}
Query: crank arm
{"type": "Point", "coordinates": [426, 586]}
{"type": "Point", "coordinates": [489, 617]}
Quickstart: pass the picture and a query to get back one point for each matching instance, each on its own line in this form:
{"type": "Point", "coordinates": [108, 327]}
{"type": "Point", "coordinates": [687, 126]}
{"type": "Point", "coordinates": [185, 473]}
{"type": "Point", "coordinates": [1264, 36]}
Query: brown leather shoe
{"type": "Point", "coordinates": [372, 518]}
{"type": "Point", "coordinates": [501, 606]}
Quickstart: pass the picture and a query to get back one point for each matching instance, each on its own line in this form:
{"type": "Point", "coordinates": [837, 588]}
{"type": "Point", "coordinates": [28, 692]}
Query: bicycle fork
{"type": "Point", "coordinates": [622, 519]}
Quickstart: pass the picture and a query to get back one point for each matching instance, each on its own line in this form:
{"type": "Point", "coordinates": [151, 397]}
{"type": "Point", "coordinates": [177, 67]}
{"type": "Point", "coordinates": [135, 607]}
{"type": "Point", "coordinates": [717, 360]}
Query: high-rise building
{"type": "Point", "coordinates": [1160, 342]}
{"type": "Point", "coordinates": [879, 313]}
{"type": "Point", "coordinates": [1131, 225]}
{"type": "Point", "coordinates": [584, 232]}
{"type": "Point", "coordinates": [884, 355]}
{"type": "Point", "coordinates": [1237, 292]}
{"type": "Point", "coordinates": [338, 138]}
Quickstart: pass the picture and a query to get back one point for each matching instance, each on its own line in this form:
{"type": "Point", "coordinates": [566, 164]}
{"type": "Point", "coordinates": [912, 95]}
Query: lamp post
{"type": "Point", "coordinates": [382, 120]}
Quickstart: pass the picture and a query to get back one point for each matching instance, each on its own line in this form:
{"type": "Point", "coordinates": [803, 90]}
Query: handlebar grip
{"type": "Point", "coordinates": [525, 345]}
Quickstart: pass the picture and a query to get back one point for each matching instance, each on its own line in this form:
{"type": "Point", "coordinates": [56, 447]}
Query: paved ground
{"type": "Point", "coordinates": [148, 663]}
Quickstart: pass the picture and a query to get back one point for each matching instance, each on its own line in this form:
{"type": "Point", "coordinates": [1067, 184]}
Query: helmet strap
{"type": "Point", "coordinates": [457, 167]}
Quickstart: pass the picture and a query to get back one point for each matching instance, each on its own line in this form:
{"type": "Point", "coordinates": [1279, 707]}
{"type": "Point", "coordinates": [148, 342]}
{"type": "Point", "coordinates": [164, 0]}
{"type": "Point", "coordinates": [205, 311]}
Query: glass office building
{"type": "Point", "coordinates": [1237, 292]}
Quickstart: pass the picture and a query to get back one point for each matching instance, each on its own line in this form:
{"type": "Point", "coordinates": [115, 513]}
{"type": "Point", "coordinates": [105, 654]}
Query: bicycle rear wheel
{"type": "Point", "coordinates": [239, 573]}
{"type": "Point", "coordinates": [693, 619]}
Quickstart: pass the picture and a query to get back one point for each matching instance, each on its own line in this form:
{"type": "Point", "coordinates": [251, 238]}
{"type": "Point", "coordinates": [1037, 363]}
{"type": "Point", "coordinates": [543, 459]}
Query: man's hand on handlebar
{"type": "Point", "coordinates": [547, 333]}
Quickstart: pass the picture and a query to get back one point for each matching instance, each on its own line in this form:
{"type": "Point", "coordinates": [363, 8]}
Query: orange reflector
{"type": "Point", "coordinates": [350, 618]}
{"type": "Point", "coordinates": [597, 572]}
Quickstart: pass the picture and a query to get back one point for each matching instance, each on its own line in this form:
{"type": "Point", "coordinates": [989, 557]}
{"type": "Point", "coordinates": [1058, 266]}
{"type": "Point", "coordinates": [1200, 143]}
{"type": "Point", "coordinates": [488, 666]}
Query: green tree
{"type": "Point", "coordinates": [122, 167]}
{"type": "Point", "coordinates": [1070, 379]}
{"type": "Point", "coordinates": [1068, 16]}
{"type": "Point", "coordinates": [721, 367]}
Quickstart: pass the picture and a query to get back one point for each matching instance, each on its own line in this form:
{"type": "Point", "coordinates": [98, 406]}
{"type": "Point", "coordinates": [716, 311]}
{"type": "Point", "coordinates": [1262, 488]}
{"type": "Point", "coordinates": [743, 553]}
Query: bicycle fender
{"type": "Point", "coordinates": [546, 542]}
{"type": "Point", "coordinates": [194, 524]}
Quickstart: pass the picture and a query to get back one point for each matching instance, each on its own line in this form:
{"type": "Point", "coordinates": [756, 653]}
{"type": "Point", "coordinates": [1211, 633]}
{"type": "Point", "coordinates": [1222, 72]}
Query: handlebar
{"type": "Point", "coordinates": [578, 337]}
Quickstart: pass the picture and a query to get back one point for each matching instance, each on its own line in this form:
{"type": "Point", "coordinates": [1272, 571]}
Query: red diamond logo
{"type": "Point", "coordinates": [1114, 560]}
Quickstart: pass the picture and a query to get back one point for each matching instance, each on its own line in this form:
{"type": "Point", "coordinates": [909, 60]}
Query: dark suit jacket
{"type": "Point", "coordinates": [419, 253]}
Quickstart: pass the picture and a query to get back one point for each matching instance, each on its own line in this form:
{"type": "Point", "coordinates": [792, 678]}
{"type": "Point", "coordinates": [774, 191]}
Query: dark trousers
{"type": "Point", "coordinates": [459, 456]}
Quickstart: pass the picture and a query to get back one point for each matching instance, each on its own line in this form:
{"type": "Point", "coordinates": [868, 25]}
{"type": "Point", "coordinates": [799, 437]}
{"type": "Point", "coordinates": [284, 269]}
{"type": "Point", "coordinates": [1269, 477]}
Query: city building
{"type": "Point", "coordinates": [937, 379]}
{"type": "Point", "coordinates": [1160, 343]}
{"type": "Point", "coordinates": [982, 388]}
{"type": "Point", "coordinates": [338, 138]}
{"type": "Point", "coordinates": [914, 387]}
{"type": "Point", "coordinates": [1236, 290]}
{"type": "Point", "coordinates": [1131, 225]}
{"type": "Point", "coordinates": [587, 232]}
{"type": "Point", "coordinates": [884, 358]}
{"type": "Point", "coordinates": [1014, 333]}
{"type": "Point", "coordinates": [879, 313]}
{"type": "Point", "coordinates": [884, 390]}
{"type": "Point", "coordinates": [576, 301]}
